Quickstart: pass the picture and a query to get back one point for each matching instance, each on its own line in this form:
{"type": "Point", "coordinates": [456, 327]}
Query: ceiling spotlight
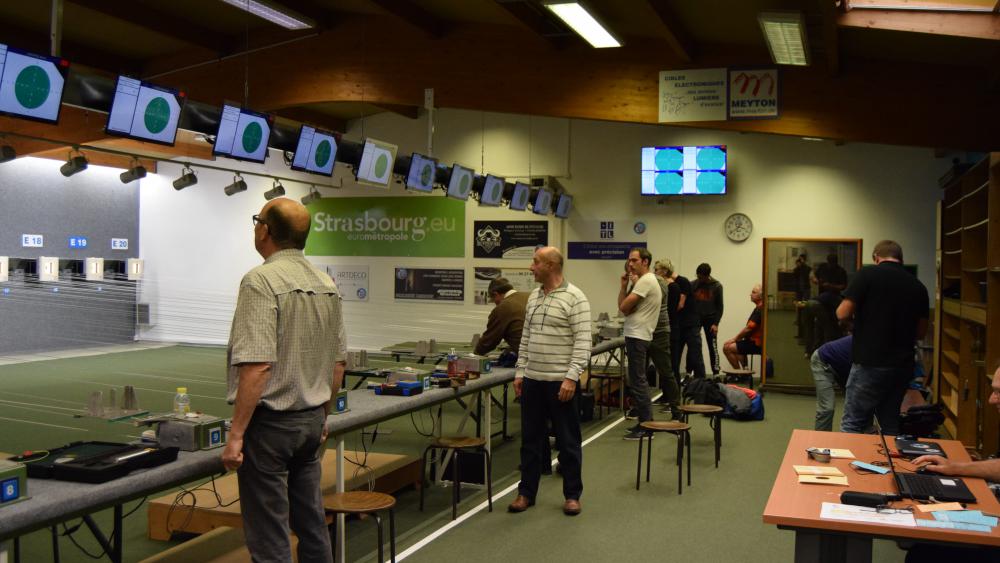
{"type": "Point", "coordinates": [311, 197]}
{"type": "Point", "coordinates": [134, 173]}
{"type": "Point", "coordinates": [276, 191]}
{"type": "Point", "coordinates": [237, 186]}
{"type": "Point", "coordinates": [186, 180]}
{"type": "Point", "coordinates": [73, 164]}
{"type": "Point", "coordinates": [7, 153]}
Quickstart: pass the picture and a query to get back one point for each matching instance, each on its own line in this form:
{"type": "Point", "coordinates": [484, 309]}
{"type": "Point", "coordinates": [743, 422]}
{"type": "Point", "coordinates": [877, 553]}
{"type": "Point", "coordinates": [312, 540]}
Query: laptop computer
{"type": "Point", "coordinates": [916, 448]}
{"type": "Point", "coordinates": [926, 486]}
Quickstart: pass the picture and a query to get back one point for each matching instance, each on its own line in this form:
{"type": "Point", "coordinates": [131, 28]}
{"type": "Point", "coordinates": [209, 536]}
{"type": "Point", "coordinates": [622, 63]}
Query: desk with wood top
{"type": "Point", "coordinates": [795, 506]}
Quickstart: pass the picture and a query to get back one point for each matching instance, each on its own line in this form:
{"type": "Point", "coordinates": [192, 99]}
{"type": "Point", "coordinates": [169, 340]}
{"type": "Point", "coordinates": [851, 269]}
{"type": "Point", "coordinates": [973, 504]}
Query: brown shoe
{"type": "Point", "coordinates": [520, 504]}
{"type": "Point", "coordinates": [571, 507]}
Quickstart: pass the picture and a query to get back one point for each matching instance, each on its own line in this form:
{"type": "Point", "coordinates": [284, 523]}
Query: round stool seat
{"type": "Point", "coordinates": [459, 442]}
{"type": "Point", "coordinates": [738, 371]}
{"type": "Point", "coordinates": [358, 502]}
{"type": "Point", "coordinates": [700, 409]}
{"type": "Point", "coordinates": [664, 426]}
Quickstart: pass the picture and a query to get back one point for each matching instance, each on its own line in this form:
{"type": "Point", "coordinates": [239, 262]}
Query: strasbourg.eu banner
{"type": "Point", "coordinates": [387, 226]}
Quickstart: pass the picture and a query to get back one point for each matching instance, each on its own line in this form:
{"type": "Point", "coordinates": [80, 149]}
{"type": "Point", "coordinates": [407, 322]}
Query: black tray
{"type": "Point", "coordinates": [96, 462]}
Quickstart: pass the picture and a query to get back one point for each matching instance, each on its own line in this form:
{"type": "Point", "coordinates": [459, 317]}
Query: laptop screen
{"type": "Point", "coordinates": [888, 455]}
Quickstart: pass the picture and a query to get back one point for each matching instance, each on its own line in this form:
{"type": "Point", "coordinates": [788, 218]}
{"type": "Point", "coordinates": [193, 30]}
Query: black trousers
{"type": "Point", "coordinates": [539, 403]}
{"type": "Point", "coordinates": [712, 340]}
{"type": "Point", "coordinates": [690, 337]}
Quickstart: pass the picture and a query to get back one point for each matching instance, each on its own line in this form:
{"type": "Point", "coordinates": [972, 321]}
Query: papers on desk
{"type": "Point", "coordinates": [940, 507]}
{"type": "Point", "coordinates": [967, 517]}
{"type": "Point", "coordinates": [820, 475]}
{"type": "Point", "coordinates": [954, 526]}
{"type": "Point", "coordinates": [841, 454]}
{"type": "Point", "coordinates": [850, 513]}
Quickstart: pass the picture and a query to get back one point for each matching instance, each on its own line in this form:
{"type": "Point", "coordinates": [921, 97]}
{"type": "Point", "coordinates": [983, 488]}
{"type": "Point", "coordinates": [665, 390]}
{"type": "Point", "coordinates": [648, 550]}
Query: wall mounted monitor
{"type": "Point", "coordinates": [31, 86]}
{"type": "Point", "coordinates": [460, 182]}
{"type": "Point", "coordinates": [243, 134]}
{"type": "Point", "coordinates": [492, 193]}
{"type": "Point", "coordinates": [375, 167]}
{"type": "Point", "coordinates": [420, 176]}
{"type": "Point", "coordinates": [691, 170]}
{"type": "Point", "coordinates": [542, 202]}
{"type": "Point", "coordinates": [316, 151]}
{"type": "Point", "coordinates": [564, 206]}
{"type": "Point", "coordinates": [145, 111]}
{"type": "Point", "coordinates": [519, 197]}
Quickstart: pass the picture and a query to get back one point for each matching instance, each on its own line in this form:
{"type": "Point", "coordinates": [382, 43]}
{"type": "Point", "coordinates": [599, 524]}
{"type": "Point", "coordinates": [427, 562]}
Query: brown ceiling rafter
{"type": "Point", "coordinates": [673, 32]}
{"type": "Point", "coordinates": [37, 41]}
{"type": "Point", "coordinates": [831, 34]}
{"type": "Point", "coordinates": [535, 17]}
{"type": "Point", "coordinates": [325, 18]}
{"type": "Point", "coordinates": [411, 112]}
{"type": "Point", "coordinates": [312, 117]}
{"type": "Point", "coordinates": [161, 22]}
{"type": "Point", "coordinates": [414, 15]}
{"type": "Point", "coordinates": [956, 24]}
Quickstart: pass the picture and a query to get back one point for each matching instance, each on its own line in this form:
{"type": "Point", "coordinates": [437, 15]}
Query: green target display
{"type": "Point", "coordinates": [31, 85]}
{"type": "Point", "coordinates": [421, 174]}
{"type": "Point", "coordinates": [377, 159]}
{"type": "Point", "coordinates": [145, 111]}
{"type": "Point", "coordinates": [460, 182]}
{"type": "Point", "coordinates": [243, 134]}
{"type": "Point", "coordinates": [492, 191]}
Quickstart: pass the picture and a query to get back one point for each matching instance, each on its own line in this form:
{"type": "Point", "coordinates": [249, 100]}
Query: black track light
{"type": "Point", "coordinates": [237, 186]}
{"type": "Point", "coordinates": [73, 164]}
{"type": "Point", "coordinates": [277, 190]}
{"type": "Point", "coordinates": [186, 180]}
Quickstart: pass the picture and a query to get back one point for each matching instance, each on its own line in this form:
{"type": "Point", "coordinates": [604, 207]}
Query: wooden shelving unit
{"type": "Point", "coordinates": [968, 304]}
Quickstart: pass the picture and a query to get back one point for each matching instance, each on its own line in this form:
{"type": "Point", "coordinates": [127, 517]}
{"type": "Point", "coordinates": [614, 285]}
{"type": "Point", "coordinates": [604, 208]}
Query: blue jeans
{"type": "Point", "coordinates": [825, 395]}
{"type": "Point", "coordinates": [878, 391]}
{"type": "Point", "coordinates": [638, 351]}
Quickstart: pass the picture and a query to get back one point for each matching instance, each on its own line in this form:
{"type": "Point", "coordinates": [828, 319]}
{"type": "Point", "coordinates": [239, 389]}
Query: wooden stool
{"type": "Point", "coordinates": [605, 385]}
{"type": "Point", "coordinates": [715, 422]}
{"type": "Point", "coordinates": [455, 445]}
{"type": "Point", "coordinates": [679, 429]}
{"type": "Point", "coordinates": [364, 502]}
{"type": "Point", "coordinates": [739, 376]}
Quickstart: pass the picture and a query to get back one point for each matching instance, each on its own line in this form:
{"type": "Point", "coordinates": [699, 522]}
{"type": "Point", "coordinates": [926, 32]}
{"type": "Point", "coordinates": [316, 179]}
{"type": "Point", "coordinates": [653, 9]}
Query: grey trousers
{"type": "Point", "coordinates": [826, 382]}
{"type": "Point", "coordinates": [280, 486]}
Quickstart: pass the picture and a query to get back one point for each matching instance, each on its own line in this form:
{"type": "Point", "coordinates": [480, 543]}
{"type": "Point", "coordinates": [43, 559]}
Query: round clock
{"type": "Point", "coordinates": [738, 227]}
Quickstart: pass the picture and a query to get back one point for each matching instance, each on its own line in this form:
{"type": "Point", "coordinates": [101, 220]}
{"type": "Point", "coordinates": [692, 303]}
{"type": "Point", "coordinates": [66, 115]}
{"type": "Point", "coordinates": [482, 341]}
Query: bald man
{"type": "Point", "coordinates": [555, 348]}
{"type": "Point", "coordinates": [286, 357]}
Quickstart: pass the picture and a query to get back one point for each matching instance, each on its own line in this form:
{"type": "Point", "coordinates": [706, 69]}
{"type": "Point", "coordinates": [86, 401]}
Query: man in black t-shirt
{"type": "Point", "coordinates": [890, 311]}
{"type": "Point", "coordinates": [685, 323]}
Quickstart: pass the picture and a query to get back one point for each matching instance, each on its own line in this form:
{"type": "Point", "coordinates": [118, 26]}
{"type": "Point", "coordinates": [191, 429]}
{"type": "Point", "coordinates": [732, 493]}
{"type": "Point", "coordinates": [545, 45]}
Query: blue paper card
{"type": "Point", "coordinates": [953, 525]}
{"type": "Point", "coordinates": [966, 516]}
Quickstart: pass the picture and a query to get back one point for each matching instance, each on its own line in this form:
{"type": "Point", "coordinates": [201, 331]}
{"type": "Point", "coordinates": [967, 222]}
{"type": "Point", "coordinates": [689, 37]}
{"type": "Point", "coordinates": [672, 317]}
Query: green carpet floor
{"type": "Point", "coordinates": [718, 517]}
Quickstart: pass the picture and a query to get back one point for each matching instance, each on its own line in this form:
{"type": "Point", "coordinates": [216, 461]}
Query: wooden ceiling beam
{"type": "Point", "coordinates": [37, 41]}
{"type": "Point", "coordinates": [411, 112]}
{"type": "Point", "coordinates": [831, 35]}
{"type": "Point", "coordinates": [325, 19]}
{"type": "Point", "coordinates": [159, 21]}
{"type": "Point", "coordinates": [412, 14]}
{"type": "Point", "coordinates": [533, 17]}
{"type": "Point", "coordinates": [956, 24]}
{"type": "Point", "coordinates": [313, 117]}
{"type": "Point", "coordinates": [672, 31]}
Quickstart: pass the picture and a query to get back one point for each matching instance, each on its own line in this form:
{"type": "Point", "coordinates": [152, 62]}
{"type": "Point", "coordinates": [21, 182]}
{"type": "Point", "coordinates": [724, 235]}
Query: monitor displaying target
{"type": "Point", "coordinates": [145, 111]}
{"type": "Point", "coordinates": [690, 170]}
{"type": "Point", "coordinates": [243, 134]}
{"type": "Point", "coordinates": [31, 85]}
{"type": "Point", "coordinates": [492, 193]}
{"type": "Point", "coordinates": [316, 151]}
{"type": "Point", "coordinates": [420, 176]}
{"type": "Point", "coordinates": [519, 198]}
{"type": "Point", "coordinates": [460, 182]}
{"type": "Point", "coordinates": [377, 160]}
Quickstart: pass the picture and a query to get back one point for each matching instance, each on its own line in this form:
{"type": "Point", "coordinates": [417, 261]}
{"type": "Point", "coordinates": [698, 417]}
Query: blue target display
{"type": "Point", "coordinates": [690, 170]}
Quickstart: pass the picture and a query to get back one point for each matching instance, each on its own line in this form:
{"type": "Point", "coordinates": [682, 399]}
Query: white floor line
{"type": "Point", "coordinates": [44, 424]}
{"type": "Point", "coordinates": [483, 505]}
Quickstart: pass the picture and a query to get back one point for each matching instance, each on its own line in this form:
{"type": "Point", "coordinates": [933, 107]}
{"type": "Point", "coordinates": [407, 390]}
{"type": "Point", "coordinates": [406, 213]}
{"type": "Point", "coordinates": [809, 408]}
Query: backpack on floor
{"type": "Point", "coordinates": [737, 402]}
{"type": "Point", "coordinates": [703, 391]}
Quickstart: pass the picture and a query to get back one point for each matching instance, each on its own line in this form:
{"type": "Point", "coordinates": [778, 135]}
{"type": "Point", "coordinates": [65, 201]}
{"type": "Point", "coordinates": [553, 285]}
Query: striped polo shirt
{"type": "Point", "coordinates": [555, 342]}
{"type": "Point", "coordinates": [288, 314]}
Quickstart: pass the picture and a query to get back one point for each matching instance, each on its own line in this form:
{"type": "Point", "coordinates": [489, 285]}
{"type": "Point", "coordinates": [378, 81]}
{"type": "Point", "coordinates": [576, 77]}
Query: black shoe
{"type": "Point", "coordinates": [638, 434]}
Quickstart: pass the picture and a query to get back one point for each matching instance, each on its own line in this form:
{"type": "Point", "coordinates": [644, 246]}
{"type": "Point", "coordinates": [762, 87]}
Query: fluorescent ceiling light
{"type": "Point", "coordinates": [785, 33]}
{"type": "Point", "coordinates": [584, 24]}
{"type": "Point", "coordinates": [274, 13]}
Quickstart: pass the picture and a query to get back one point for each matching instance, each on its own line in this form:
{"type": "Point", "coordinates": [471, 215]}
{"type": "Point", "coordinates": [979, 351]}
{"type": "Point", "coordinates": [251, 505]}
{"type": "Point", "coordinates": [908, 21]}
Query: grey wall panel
{"type": "Point", "coordinates": [36, 199]}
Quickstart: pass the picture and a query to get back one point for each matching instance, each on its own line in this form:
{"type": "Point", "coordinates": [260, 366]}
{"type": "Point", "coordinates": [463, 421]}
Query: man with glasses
{"type": "Point", "coordinates": [286, 357]}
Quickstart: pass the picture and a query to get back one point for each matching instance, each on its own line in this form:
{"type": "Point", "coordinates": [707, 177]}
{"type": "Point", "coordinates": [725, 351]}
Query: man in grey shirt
{"type": "Point", "coordinates": [286, 357]}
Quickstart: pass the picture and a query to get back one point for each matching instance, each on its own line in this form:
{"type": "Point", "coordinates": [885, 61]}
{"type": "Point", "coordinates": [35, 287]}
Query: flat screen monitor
{"type": "Point", "coordinates": [377, 160]}
{"type": "Point", "coordinates": [691, 170]}
{"type": "Point", "coordinates": [145, 111]}
{"type": "Point", "coordinates": [564, 206]}
{"type": "Point", "coordinates": [31, 85]}
{"type": "Point", "coordinates": [543, 202]}
{"type": "Point", "coordinates": [492, 193]}
{"type": "Point", "coordinates": [243, 134]}
{"type": "Point", "coordinates": [420, 176]}
{"type": "Point", "coordinates": [519, 198]}
{"type": "Point", "coordinates": [316, 151]}
{"type": "Point", "coordinates": [460, 182]}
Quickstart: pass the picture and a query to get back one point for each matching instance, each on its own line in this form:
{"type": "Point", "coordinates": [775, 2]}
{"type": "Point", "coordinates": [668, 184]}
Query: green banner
{"type": "Point", "coordinates": [387, 226]}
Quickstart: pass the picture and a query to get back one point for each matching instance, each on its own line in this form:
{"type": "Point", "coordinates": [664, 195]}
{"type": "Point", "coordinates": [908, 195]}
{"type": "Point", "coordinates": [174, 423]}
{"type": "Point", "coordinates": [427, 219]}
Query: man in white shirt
{"type": "Point", "coordinates": [639, 300]}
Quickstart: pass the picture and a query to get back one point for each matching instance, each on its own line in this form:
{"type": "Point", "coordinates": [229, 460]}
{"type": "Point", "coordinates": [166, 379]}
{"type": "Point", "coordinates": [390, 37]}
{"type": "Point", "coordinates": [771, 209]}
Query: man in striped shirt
{"type": "Point", "coordinates": [555, 347]}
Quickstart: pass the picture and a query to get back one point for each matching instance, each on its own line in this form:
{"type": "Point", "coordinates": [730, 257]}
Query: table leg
{"type": "Point", "coordinates": [814, 547]}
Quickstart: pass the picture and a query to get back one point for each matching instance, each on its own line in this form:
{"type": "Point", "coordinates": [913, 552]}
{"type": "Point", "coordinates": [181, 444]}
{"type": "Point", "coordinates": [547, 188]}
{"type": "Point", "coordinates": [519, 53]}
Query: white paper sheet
{"type": "Point", "coordinates": [835, 511]}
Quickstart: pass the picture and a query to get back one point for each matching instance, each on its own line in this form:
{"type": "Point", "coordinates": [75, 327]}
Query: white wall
{"type": "Point", "coordinates": [198, 243]}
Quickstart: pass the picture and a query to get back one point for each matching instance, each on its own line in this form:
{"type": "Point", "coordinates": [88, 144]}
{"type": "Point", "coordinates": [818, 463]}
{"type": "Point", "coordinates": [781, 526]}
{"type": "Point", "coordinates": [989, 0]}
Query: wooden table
{"type": "Point", "coordinates": [794, 506]}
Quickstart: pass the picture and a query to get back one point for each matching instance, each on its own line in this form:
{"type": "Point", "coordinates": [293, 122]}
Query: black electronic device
{"type": "Point", "coordinates": [95, 462]}
{"type": "Point", "coordinates": [915, 448]}
{"type": "Point", "coordinates": [924, 487]}
{"type": "Point", "coordinates": [872, 500]}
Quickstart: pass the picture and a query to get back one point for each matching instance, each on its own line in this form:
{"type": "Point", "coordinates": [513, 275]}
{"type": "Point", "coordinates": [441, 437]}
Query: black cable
{"type": "Point", "coordinates": [68, 533]}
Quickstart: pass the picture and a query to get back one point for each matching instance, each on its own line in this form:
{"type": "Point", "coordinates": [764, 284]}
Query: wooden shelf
{"type": "Point", "coordinates": [975, 270]}
{"type": "Point", "coordinates": [950, 378]}
{"type": "Point", "coordinates": [953, 233]}
{"type": "Point", "coordinates": [974, 312]}
{"type": "Point", "coordinates": [952, 252]}
{"type": "Point", "coordinates": [951, 306]}
{"type": "Point", "coordinates": [952, 357]}
{"type": "Point", "coordinates": [952, 333]}
{"type": "Point", "coordinates": [978, 225]}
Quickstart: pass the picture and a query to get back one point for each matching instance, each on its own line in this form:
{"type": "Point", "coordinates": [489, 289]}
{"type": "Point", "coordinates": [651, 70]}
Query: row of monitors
{"type": "Point", "coordinates": [31, 86]}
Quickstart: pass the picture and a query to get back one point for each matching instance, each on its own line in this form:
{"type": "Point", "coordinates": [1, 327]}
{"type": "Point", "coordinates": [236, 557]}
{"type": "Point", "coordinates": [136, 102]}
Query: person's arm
{"type": "Point", "coordinates": [579, 320]}
{"type": "Point", "coordinates": [681, 302]}
{"type": "Point", "coordinates": [628, 303]}
{"type": "Point", "coordinates": [744, 333]}
{"type": "Point", "coordinates": [493, 334]}
{"type": "Point", "coordinates": [253, 378]}
{"type": "Point", "coordinates": [987, 469]}
{"type": "Point", "coordinates": [845, 311]}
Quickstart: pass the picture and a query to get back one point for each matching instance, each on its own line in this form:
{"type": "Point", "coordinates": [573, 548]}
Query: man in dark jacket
{"type": "Point", "coordinates": [707, 294]}
{"type": "Point", "coordinates": [507, 318]}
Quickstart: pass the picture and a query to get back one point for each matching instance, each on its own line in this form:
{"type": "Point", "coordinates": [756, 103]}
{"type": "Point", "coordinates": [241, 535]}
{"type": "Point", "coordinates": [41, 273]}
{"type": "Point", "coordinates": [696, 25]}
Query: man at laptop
{"type": "Point", "coordinates": [988, 469]}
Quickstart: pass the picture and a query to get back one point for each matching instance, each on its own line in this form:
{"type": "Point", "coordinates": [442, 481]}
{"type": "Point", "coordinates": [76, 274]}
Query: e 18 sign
{"type": "Point", "coordinates": [32, 241]}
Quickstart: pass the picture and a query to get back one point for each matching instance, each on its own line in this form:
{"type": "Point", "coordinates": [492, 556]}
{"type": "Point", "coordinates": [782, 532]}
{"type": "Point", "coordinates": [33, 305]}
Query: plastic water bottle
{"type": "Point", "coordinates": [452, 363]}
{"type": "Point", "coordinates": [182, 402]}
